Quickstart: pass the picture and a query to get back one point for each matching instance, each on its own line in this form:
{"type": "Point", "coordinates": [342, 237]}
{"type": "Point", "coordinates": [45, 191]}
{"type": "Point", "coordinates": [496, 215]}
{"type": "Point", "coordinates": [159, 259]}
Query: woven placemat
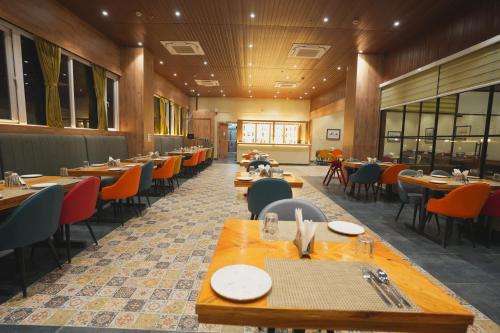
{"type": "Point", "coordinates": [288, 229]}
{"type": "Point", "coordinates": [324, 285]}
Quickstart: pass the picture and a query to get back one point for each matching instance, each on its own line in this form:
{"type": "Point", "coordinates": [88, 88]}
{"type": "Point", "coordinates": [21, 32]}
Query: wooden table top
{"type": "Point", "coordinates": [145, 159]}
{"type": "Point", "coordinates": [357, 165]}
{"type": "Point", "coordinates": [190, 152]}
{"type": "Point", "coordinates": [245, 163]}
{"type": "Point", "coordinates": [101, 171]}
{"type": "Point", "coordinates": [14, 196]}
{"type": "Point", "coordinates": [239, 243]}
{"type": "Point", "coordinates": [294, 181]}
{"type": "Point", "coordinates": [451, 183]}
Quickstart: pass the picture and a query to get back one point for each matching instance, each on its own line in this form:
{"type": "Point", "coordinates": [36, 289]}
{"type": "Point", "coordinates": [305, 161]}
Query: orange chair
{"type": "Point", "coordinates": [202, 158]}
{"type": "Point", "coordinates": [336, 153]}
{"type": "Point", "coordinates": [177, 168]}
{"type": "Point", "coordinates": [389, 177]}
{"type": "Point", "coordinates": [465, 202]}
{"type": "Point", "coordinates": [191, 163]}
{"type": "Point", "coordinates": [126, 187]}
{"type": "Point", "coordinates": [165, 173]}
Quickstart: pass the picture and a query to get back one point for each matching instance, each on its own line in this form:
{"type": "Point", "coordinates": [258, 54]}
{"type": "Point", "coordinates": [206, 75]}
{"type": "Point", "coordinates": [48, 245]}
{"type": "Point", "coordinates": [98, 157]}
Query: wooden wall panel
{"type": "Point", "coordinates": [334, 107]}
{"type": "Point", "coordinates": [335, 94]}
{"type": "Point", "coordinates": [478, 21]}
{"type": "Point", "coordinates": [55, 23]}
{"type": "Point", "coordinates": [165, 88]}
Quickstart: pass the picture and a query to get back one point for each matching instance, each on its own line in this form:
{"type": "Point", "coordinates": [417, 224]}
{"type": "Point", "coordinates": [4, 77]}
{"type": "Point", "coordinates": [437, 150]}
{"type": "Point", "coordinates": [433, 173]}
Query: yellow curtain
{"type": "Point", "coordinates": [176, 117]}
{"type": "Point", "coordinates": [99, 75]}
{"type": "Point", "coordinates": [49, 56]}
{"type": "Point", "coordinates": [163, 116]}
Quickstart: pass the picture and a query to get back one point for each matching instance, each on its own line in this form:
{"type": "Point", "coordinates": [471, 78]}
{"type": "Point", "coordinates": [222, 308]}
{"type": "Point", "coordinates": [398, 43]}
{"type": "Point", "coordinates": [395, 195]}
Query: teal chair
{"type": "Point", "coordinates": [264, 191]}
{"type": "Point", "coordinates": [366, 176]}
{"type": "Point", "coordinates": [146, 181]}
{"type": "Point", "coordinates": [286, 210]}
{"type": "Point", "coordinates": [35, 220]}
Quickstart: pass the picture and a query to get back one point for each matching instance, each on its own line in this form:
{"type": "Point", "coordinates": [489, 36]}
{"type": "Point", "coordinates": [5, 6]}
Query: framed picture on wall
{"type": "Point", "coordinates": [393, 136]}
{"type": "Point", "coordinates": [333, 134]}
{"type": "Point", "coordinates": [463, 130]}
{"type": "Point", "coordinates": [429, 134]}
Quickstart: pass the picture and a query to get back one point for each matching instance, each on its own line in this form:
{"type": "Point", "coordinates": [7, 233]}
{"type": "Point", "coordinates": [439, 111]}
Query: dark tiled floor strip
{"type": "Point", "coordinates": [473, 273]}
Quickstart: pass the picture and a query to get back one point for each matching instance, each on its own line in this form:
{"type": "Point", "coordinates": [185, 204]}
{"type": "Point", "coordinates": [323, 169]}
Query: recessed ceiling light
{"type": "Point", "coordinates": [161, 62]}
{"type": "Point", "coordinates": [306, 93]}
{"type": "Point", "coordinates": [140, 43]}
{"type": "Point", "coordinates": [396, 23]}
{"type": "Point", "coordinates": [313, 87]}
{"type": "Point", "coordinates": [274, 96]}
{"type": "Point", "coordinates": [192, 90]}
{"type": "Point", "coordinates": [252, 15]}
{"type": "Point", "coordinates": [360, 51]}
{"type": "Point", "coordinates": [339, 68]}
{"type": "Point", "coordinates": [250, 75]}
{"type": "Point", "coordinates": [325, 19]}
{"type": "Point", "coordinates": [300, 97]}
{"type": "Point", "coordinates": [175, 74]}
{"type": "Point", "coordinates": [224, 95]}
{"type": "Point", "coordinates": [138, 13]}
{"type": "Point", "coordinates": [212, 75]}
{"type": "Point", "coordinates": [177, 13]}
{"type": "Point", "coordinates": [249, 91]}
{"type": "Point", "coordinates": [324, 79]}
{"type": "Point", "coordinates": [250, 85]}
{"type": "Point", "coordinates": [197, 94]}
{"type": "Point", "coordinates": [185, 83]}
{"type": "Point", "coordinates": [294, 66]}
{"type": "Point", "coordinates": [250, 65]}
{"type": "Point", "coordinates": [251, 96]}
{"type": "Point", "coordinates": [250, 45]}
{"type": "Point", "coordinates": [278, 92]}
{"type": "Point", "coordinates": [287, 77]}
{"type": "Point", "coordinates": [104, 13]}
{"type": "Point", "coordinates": [221, 91]}
{"type": "Point", "coordinates": [205, 62]}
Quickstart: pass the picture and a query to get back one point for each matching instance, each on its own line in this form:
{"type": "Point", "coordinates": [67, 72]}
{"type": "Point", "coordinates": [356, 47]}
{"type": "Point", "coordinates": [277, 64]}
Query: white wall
{"type": "Point", "coordinates": [320, 125]}
{"type": "Point", "coordinates": [233, 109]}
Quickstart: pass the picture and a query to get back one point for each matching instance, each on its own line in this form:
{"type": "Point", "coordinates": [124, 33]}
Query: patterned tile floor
{"type": "Point", "coordinates": [146, 275]}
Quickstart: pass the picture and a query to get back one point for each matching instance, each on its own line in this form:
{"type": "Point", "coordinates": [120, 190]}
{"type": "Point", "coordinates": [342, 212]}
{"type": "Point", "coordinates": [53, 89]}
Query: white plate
{"type": "Point", "coordinates": [244, 178]}
{"type": "Point", "coordinates": [439, 176]}
{"type": "Point", "coordinates": [42, 185]}
{"type": "Point", "coordinates": [130, 165]}
{"type": "Point", "coordinates": [438, 182]}
{"type": "Point", "coordinates": [241, 282]}
{"type": "Point", "coordinates": [98, 164]}
{"type": "Point", "coordinates": [346, 228]}
{"type": "Point", "coordinates": [473, 177]}
{"type": "Point", "coordinates": [115, 169]}
{"type": "Point", "coordinates": [31, 175]}
{"type": "Point", "coordinates": [287, 173]}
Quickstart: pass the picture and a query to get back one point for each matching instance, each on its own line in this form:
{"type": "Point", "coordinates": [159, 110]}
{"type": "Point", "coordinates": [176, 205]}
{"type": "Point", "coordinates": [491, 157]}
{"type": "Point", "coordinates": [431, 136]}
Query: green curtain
{"type": "Point", "coordinates": [49, 56]}
{"type": "Point", "coordinates": [99, 75]}
{"type": "Point", "coordinates": [163, 116]}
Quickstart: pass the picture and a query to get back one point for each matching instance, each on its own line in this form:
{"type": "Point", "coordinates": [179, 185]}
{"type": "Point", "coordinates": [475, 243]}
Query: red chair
{"type": "Point", "coordinates": [491, 209]}
{"type": "Point", "coordinates": [78, 206]}
{"type": "Point", "coordinates": [335, 170]}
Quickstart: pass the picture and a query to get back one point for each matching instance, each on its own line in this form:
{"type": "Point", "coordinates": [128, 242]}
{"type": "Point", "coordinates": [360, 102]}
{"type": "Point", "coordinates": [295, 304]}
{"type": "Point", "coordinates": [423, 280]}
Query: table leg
{"type": "Point", "coordinates": [422, 215]}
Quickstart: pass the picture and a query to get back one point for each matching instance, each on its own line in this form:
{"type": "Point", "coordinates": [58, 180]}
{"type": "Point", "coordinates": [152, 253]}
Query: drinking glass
{"type": "Point", "coordinates": [86, 164]}
{"type": "Point", "coordinates": [271, 224]}
{"type": "Point", "coordinates": [251, 171]}
{"type": "Point", "coordinates": [63, 172]}
{"type": "Point", "coordinates": [420, 173]}
{"type": "Point", "coordinates": [365, 247]}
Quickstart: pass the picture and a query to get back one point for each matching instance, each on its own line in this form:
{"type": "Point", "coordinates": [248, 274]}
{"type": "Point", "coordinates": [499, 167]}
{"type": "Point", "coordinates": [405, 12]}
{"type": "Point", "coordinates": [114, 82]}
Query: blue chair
{"type": "Point", "coordinates": [35, 220]}
{"type": "Point", "coordinates": [146, 181]}
{"type": "Point", "coordinates": [256, 164]}
{"type": "Point", "coordinates": [264, 191]}
{"type": "Point", "coordinates": [285, 209]}
{"type": "Point", "coordinates": [367, 175]}
{"type": "Point", "coordinates": [440, 173]}
{"type": "Point", "coordinates": [409, 194]}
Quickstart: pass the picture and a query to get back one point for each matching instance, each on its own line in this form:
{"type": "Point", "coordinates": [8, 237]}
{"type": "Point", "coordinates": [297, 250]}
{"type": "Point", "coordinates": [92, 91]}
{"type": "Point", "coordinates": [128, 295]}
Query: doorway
{"type": "Point", "coordinates": [231, 137]}
{"type": "Point", "coordinates": [223, 142]}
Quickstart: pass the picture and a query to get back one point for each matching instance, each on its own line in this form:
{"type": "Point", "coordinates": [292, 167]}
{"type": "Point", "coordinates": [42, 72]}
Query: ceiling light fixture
{"type": "Point", "coordinates": [212, 75]}
{"type": "Point", "coordinates": [251, 96]}
{"type": "Point", "coordinates": [175, 74]}
{"type": "Point", "coordinates": [324, 79]}
{"type": "Point", "coordinates": [224, 95]}
{"type": "Point", "coordinates": [250, 45]}
{"type": "Point", "coordinates": [250, 65]}
{"type": "Point", "coordinates": [306, 93]}
{"type": "Point", "coordinates": [339, 68]}
{"type": "Point", "coordinates": [177, 13]}
{"type": "Point", "coordinates": [300, 97]}
{"type": "Point", "coordinates": [104, 13]}
{"type": "Point", "coordinates": [325, 19]}
{"type": "Point", "coordinates": [360, 51]}
{"type": "Point", "coordinates": [396, 23]}
{"type": "Point", "coordinates": [252, 15]}
{"type": "Point", "coordinates": [313, 87]}
{"type": "Point", "coordinates": [185, 83]}
{"type": "Point", "coordinates": [249, 91]}
{"type": "Point", "coordinates": [205, 62]}
{"type": "Point", "coordinates": [294, 66]}
{"type": "Point", "coordinates": [161, 62]}
{"type": "Point", "coordinates": [221, 91]}
{"type": "Point", "coordinates": [274, 96]}
{"type": "Point", "coordinates": [140, 43]}
{"type": "Point", "coordinates": [192, 90]}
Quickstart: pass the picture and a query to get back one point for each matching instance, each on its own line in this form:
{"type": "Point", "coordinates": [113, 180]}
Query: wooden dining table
{"type": "Point", "coordinates": [102, 170]}
{"type": "Point", "coordinates": [186, 152]}
{"type": "Point", "coordinates": [145, 159]}
{"type": "Point", "coordinates": [245, 163]}
{"type": "Point", "coordinates": [357, 165]}
{"type": "Point", "coordinates": [294, 181]}
{"type": "Point", "coordinates": [428, 184]}
{"type": "Point", "coordinates": [240, 243]}
{"type": "Point", "coordinates": [14, 196]}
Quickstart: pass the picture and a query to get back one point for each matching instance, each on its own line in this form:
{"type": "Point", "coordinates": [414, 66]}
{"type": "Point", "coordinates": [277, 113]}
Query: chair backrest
{"type": "Point", "coordinates": [492, 205]}
{"type": "Point", "coordinates": [405, 188]}
{"type": "Point", "coordinates": [324, 154]}
{"type": "Point", "coordinates": [80, 202]}
{"type": "Point", "coordinates": [166, 170]}
{"type": "Point", "coordinates": [267, 190]}
{"type": "Point", "coordinates": [336, 153]}
{"type": "Point", "coordinates": [166, 143]}
{"type": "Point", "coordinates": [36, 219]}
{"type": "Point", "coordinates": [367, 174]}
{"type": "Point", "coordinates": [125, 187]}
{"type": "Point", "coordinates": [285, 209]}
{"type": "Point", "coordinates": [466, 201]}
{"type": "Point", "coordinates": [193, 160]}
{"type": "Point", "coordinates": [146, 176]}
{"type": "Point", "coordinates": [256, 164]}
{"type": "Point", "coordinates": [178, 164]}
{"type": "Point", "coordinates": [390, 175]}
{"type": "Point", "coordinates": [440, 173]}
{"type": "Point", "coordinates": [203, 156]}
{"type": "Point", "coordinates": [99, 148]}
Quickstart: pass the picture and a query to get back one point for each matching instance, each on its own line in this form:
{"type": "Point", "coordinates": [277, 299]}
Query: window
{"type": "Point", "coordinates": [5, 102]}
{"type": "Point", "coordinates": [156, 111]}
{"type": "Point", "coordinates": [63, 87]}
{"type": "Point", "coordinates": [85, 99]}
{"type": "Point", "coordinates": [248, 133]}
{"type": "Point", "coordinates": [274, 132]}
{"type": "Point", "coordinates": [263, 133]}
{"type": "Point", "coordinates": [34, 87]}
{"type": "Point", "coordinates": [110, 102]}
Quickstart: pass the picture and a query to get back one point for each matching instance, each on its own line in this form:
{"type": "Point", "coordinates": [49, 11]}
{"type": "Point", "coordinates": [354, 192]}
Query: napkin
{"type": "Point", "coordinates": [458, 173]}
{"type": "Point", "coordinates": [306, 229]}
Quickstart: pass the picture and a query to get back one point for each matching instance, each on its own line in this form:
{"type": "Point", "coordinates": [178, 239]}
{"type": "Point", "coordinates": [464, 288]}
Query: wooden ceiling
{"type": "Point", "coordinates": [225, 29]}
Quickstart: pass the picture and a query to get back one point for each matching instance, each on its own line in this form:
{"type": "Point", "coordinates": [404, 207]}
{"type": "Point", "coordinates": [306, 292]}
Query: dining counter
{"type": "Point", "coordinates": [285, 153]}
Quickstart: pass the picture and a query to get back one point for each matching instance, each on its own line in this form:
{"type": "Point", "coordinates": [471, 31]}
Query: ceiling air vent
{"type": "Point", "coordinates": [309, 51]}
{"type": "Point", "coordinates": [183, 48]}
{"type": "Point", "coordinates": [207, 83]}
{"type": "Point", "coordinates": [285, 84]}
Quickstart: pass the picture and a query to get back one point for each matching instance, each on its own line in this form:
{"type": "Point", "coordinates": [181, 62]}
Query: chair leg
{"type": "Point", "coordinates": [147, 199]}
{"type": "Point", "coordinates": [472, 232]}
{"type": "Point", "coordinates": [177, 181]}
{"type": "Point", "coordinates": [53, 251]}
{"type": "Point", "coordinates": [68, 242]}
{"type": "Point", "coordinates": [22, 270]}
{"type": "Point", "coordinates": [489, 231]}
{"type": "Point", "coordinates": [136, 209]}
{"type": "Point", "coordinates": [416, 208]}
{"type": "Point", "coordinates": [447, 228]}
{"type": "Point", "coordinates": [437, 223]}
{"type": "Point", "coordinates": [91, 232]}
{"type": "Point", "coordinates": [400, 210]}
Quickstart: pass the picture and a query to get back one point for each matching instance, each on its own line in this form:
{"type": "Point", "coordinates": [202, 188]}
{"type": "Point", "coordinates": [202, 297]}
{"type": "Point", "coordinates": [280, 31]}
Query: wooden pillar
{"type": "Point", "coordinates": [136, 99]}
{"type": "Point", "coordinates": [361, 117]}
